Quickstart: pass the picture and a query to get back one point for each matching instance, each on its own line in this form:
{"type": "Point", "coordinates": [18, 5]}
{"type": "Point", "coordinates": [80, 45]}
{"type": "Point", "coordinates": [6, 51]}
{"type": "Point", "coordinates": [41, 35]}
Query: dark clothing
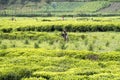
{"type": "Point", "coordinates": [64, 35]}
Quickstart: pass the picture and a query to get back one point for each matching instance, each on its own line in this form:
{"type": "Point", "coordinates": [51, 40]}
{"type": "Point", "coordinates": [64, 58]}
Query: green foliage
{"type": "Point", "coordinates": [15, 74]}
{"type": "Point", "coordinates": [13, 45]}
{"type": "Point", "coordinates": [107, 44]}
{"type": "Point", "coordinates": [0, 41]}
{"type": "Point", "coordinates": [63, 46]}
{"type": "Point", "coordinates": [93, 6]}
{"type": "Point", "coordinates": [42, 64]}
{"type": "Point", "coordinates": [6, 30]}
{"type": "Point", "coordinates": [102, 65]}
{"type": "Point", "coordinates": [36, 45]}
{"type": "Point", "coordinates": [86, 41]}
{"type": "Point", "coordinates": [94, 41]}
{"type": "Point", "coordinates": [63, 6]}
{"type": "Point", "coordinates": [27, 54]}
{"type": "Point", "coordinates": [69, 25]}
{"type": "Point", "coordinates": [34, 78]}
{"type": "Point", "coordinates": [31, 8]}
{"type": "Point", "coordinates": [83, 37]}
{"type": "Point", "coordinates": [3, 53]}
{"type": "Point", "coordinates": [91, 47]}
{"type": "Point", "coordinates": [3, 46]}
{"type": "Point", "coordinates": [39, 41]}
{"type": "Point", "coordinates": [26, 42]}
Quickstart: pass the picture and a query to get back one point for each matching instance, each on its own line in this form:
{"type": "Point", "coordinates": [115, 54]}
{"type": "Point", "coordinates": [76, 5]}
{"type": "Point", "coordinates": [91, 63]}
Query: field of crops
{"type": "Point", "coordinates": [95, 41]}
{"type": "Point", "coordinates": [75, 25]}
{"type": "Point", "coordinates": [62, 6]}
{"type": "Point", "coordinates": [93, 6]}
{"type": "Point", "coordinates": [42, 64]}
{"type": "Point", "coordinates": [33, 48]}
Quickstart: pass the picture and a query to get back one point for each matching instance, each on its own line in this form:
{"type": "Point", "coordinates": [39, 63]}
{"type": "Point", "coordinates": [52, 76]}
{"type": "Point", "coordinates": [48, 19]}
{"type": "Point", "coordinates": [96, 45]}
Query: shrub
{"type": "Point", "coordinates": [3, 53]}
{"type": "Point", "coordinates": [10, 76]}
{"type": "Point", "coordinates": [83, 37]}
{"type": "Point", "coordinates": [13, 45]}
{"type": "Point", "coordinates": [3, 46]}
{"type": "Point", "coordinates": [91, 47]}
{"type": "Point", "coordinates": [0, 41]}
{"type": "Point", "coordinates": [51, 42]}
{"type": "Point", "coordinates": [63, 46]}
{"type": "Point", "coordinates": [71, 26]}
{"type": "Point", "coordinates": [107, 44]}
{"type": "Point", "coordinates": [102, 65]}
{"type": "Point", "coordinates": [6, 30]}
{"type": "Point", "coordinates": [36, 45]}
{"type": "Point", "coordinates": [86, 41]}
{"type": "Point", "coordinates": [93, 56]}
{"type": "Point", "coordinates": [16, 74]}
{"type": "Point", "coordinates": [34, 78]}
{"type": "Point", "coordinates": [39, 41]}
{"type": "Point", "coordinates": [26, 41]}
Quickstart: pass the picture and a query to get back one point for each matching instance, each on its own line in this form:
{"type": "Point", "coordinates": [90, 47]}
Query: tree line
{"type": "Point", "coordinates": [4, 2]}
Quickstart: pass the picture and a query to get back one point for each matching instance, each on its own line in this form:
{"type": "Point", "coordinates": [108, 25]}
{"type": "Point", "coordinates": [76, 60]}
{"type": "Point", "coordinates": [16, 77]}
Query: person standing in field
{"type": "Point", "coordinates": [64, 35]}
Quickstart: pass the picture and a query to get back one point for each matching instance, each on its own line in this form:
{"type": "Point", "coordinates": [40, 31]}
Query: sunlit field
{"type": "Point", "coordinates": [33, 48]}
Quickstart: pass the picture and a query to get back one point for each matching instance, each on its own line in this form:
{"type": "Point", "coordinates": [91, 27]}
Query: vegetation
{"type": "Point", "coordinates": [62, 6]}
{"type": "Point", "coordinates": [33, 49]}
{"type": "Point", "coordinates": [57, 8]}
{"type": "Point", "coordinates": [77, 25]}
{"type": "Point", "coordinates": [58, 65]}
{"type": "Point", "coordinates": [96, 41]}
{"type": "Point", "coordinates": [93, 6]}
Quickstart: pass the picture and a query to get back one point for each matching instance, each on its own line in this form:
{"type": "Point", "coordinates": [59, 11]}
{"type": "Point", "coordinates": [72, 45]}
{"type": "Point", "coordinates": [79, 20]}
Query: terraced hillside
{"type": "Point", "coordinates": [77, 6]}
{"type": "Point", "coordinates": [94, 6]}
{"type": "Point", "coordinates": [63, 6]}
{"type": "Point", "coordinates": [112, 8]}
{"type": "Point", "coordinates": [58, 8]}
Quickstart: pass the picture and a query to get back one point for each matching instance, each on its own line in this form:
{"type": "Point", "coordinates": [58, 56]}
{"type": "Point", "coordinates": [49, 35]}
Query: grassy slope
{"type": "Point", "coordinates": [64, 6]}
{"type": "Point", "coordinates": [113, 8]}
{"type": "Point", "coordinates": [93, 6]}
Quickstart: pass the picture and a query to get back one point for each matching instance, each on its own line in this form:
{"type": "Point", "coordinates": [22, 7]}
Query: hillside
{"type": "Point", "coordinates": [113, 7]}
{"type": "Point", "coordinates": [57, 8]}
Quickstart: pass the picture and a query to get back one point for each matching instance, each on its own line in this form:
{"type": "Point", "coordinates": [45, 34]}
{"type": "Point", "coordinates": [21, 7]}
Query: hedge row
{"type": "Point", "coordinates": [71, 26]}
{"type": "Point", "coordinates": [86, 55]}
